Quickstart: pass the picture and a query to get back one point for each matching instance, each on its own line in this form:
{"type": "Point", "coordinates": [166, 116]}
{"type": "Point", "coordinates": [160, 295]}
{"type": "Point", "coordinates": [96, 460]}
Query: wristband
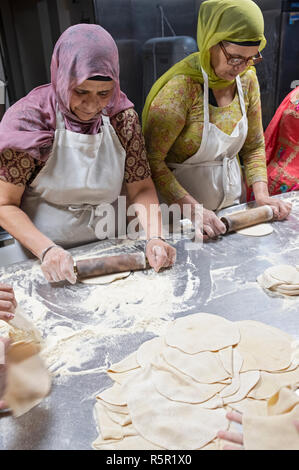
{"type": "Point", "coordinates": [45, 251]}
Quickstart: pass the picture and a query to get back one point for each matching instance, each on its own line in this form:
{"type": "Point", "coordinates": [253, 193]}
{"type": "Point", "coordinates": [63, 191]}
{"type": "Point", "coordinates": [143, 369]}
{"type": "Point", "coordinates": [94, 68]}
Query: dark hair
{"type": "Point", "coordinates": [100, 78]}
{"type": "Point", "coordinates": [246, 43]}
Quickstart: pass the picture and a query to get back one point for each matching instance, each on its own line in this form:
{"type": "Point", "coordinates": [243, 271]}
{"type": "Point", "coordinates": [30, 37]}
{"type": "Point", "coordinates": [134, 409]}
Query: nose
{"type": "Point", "coordinates": [241, 66]}
{"type": "Point", "coordinates": [90, 103]}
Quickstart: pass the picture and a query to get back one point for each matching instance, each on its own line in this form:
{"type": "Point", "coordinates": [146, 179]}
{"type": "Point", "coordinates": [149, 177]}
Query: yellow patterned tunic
{"type": "Point", "coordinates": [175, 124]}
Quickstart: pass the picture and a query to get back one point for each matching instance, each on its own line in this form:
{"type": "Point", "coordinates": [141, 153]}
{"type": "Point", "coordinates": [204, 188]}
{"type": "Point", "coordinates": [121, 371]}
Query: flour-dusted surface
{"type": "Point", "coordinates": [87, 328]}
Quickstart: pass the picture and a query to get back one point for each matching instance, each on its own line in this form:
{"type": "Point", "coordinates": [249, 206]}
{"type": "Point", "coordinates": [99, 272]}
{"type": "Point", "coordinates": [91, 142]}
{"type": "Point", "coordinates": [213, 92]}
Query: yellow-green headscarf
{"type": "Point", "coordinates": [218, 20]}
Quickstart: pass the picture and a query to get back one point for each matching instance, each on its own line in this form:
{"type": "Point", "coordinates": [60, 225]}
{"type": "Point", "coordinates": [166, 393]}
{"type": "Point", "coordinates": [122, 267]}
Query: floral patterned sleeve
{"type": "Point", "coordinates": [253, 152]}
{"type": "Point", "coordinates": [18, 168]}
{"type": "Point", "coordinates": [128, 129]}
{"type": "Point", "coordinates": [166, 120]}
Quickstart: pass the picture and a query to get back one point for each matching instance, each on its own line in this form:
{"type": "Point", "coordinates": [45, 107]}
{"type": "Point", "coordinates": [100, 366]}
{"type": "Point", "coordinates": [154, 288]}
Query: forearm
{"type": "Point", "coordinates": [18, 224]}
{"type": "Point", "coordinates": [255, 169]}
{"type": "Point", "coordinates": [260, 190]}
{"type": "Point", "coordinates": [165, 180]}
{"type": "Point", "coordinates": [253, 152]}
{"type": "Point", "coordinates": [187, 203]}
{"type": "Point", "coordinates": [147, 209]}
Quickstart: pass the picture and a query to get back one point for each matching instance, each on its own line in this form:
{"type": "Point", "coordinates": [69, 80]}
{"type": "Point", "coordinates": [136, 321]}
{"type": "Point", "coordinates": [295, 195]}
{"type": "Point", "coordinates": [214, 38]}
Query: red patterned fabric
{"type": "Point", "coordinates": [282, 146]}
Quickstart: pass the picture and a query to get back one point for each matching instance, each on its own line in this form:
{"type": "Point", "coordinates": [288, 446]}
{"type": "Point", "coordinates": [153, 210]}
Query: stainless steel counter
{"type": "Point", "coordinates": [218, 279]}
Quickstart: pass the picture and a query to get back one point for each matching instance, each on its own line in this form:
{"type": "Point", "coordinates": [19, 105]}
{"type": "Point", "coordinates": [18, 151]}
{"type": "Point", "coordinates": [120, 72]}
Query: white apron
{"type": "Point", "coordinates": [82, 173]}
{"type": "Point", "coordinates": [212, 175]}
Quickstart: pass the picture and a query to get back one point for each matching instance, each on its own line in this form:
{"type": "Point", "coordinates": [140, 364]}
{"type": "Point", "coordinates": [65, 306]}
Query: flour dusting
{"type": "Point", "coordinates": [76, 321]}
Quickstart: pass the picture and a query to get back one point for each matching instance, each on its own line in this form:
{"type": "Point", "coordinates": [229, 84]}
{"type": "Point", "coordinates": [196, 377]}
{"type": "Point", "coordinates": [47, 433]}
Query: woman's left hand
{"type": "Point", "coordinates": [160, 254]}
{"type": "Point", "coordinates": [281, 209]}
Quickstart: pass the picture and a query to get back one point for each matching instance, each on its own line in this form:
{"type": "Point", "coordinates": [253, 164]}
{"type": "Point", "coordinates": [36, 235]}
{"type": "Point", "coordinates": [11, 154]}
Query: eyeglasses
{"type": "Point", "coordinates": [237, 61]}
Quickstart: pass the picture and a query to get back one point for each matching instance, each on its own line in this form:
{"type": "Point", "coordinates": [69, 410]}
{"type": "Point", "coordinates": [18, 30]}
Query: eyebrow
{"type": "Point", "coordinates": [90, 91]}
{"type": "Point", "coordinates": [242, 56]}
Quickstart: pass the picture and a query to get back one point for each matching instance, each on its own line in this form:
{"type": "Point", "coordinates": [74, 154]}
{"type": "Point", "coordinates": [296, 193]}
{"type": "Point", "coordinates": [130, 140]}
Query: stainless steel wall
{"type": "Point", "coordinates": [29, 29]}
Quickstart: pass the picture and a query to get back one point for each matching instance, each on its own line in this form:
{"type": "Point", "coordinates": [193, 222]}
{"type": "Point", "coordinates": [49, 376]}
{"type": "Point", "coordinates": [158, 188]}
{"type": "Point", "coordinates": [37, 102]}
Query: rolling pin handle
{"type": "Point", "coordinates": [246, 218]}
{"type": "Point", "coordinates": [226, 223]}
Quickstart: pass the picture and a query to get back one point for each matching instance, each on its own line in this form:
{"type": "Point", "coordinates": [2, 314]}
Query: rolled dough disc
{"type": "Point", "coordinates": [258, 230]}
{"type": "Point", "coordinates": [281, 278]}
{"type": "Point", "coordinates": [168, 423]}
{"type": "Point", "coordinates": [108, 279]}
{"type": "Point", "coordinates": [215, 333]}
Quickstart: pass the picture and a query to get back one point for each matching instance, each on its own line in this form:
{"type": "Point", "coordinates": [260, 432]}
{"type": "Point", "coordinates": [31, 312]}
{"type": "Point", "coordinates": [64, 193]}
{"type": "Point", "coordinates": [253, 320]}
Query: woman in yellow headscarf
{"type": "Point", "coordinates": [205, 111]}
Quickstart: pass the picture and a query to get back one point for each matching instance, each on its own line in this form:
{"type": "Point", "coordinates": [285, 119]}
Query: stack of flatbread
{"type": "Point", "coordinates": [282, 278]}
{"type": "Point", "coordinates": [27, 379]}
{"type": "Point", "coordinates": [276, 431]}
{"type": "Point", "coordinates": [174, 391]}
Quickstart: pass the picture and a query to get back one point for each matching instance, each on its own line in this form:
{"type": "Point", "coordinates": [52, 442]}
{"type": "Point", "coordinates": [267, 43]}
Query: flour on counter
{"type": "Point", "coordinates": [77, 321]}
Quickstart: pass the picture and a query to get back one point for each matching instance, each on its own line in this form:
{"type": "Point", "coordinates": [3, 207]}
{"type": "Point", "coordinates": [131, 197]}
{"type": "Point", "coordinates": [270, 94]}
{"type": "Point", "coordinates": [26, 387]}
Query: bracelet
{"type": "Point", "coordinates": [153, 238]}
{"type": "Point", "coordinates": [45, 251]}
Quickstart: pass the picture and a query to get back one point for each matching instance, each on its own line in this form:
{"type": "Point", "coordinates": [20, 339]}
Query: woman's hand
{"type": "Point", "coordinates": [234, 438]}
{"type": "Point", "coordinates": [58, 265]}
{"type": "Point", "coordinates": [3, 348]}
{"type": "Point", "coordinates": [281, 209]}
{"type": "Point", "coordinates": [8, 302]}
{"type": "Point", "coordinates": [212, 225]}
{"type": "Point", "coordinates": [160, 254]}
{"type": "Point", "coordinates": [206, 223]}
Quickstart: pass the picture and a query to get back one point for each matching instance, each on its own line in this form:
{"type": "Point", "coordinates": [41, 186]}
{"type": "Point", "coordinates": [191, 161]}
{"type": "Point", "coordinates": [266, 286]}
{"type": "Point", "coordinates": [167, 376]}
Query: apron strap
{"type": "Point", "coordinates": [105, 120]}
{"type": "Point", "coordinates": [206, 98]}
{"type": "Point", "coordinates": [59, 119]}
{"type": "Point", "coordinates": [78, 209]}
{"type": "Point", "coordinates": [206, 116]}
{"type": "Point", "coordinates": [241, 95]}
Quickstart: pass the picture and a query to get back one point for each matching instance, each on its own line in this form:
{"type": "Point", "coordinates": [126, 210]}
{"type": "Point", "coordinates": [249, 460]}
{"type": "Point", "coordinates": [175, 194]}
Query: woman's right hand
{"type": "Point", "coordinates": [212, 225]}
{"type": "Point", "coordinates": [8, 302]}
{"type": "Point", "coordinates": [58, 265]}
{"type": "Point", "coordinates": [206, 223]}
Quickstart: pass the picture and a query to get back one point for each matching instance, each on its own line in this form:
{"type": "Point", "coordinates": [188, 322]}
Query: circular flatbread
{"type": "Point", "coordinates": [108, 279]}
{"type": "Point", "coordinates": [287, 290]}
{"type": "Point", "coordinates": [148, 350]}
{"type": "Point", "coordinates": [258, 230]}
{"type": "Point", "coordinates": [263, 347]}
{"type": "Point", "coordinates": [204, 367]}
{"type": "Point", "coordinates": [282, 278]}
{"type": "Point", "coordinates": [285, 273]}
{"type": "Point", "coordinates": [168, 423]}
{"type": "Point", "coordinates": [202, 332]}
{"type": "Point", "coordinates": [174, 385]}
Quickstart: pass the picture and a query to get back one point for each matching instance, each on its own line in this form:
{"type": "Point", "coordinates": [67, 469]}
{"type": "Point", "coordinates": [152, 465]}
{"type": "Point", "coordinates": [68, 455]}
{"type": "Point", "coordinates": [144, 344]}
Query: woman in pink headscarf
{"type": "Point", "coordinates": [65, 150]}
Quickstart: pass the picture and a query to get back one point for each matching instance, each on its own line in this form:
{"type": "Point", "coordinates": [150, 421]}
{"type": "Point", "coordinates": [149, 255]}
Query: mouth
{"type": "Point", "coordinates": [86, 114]}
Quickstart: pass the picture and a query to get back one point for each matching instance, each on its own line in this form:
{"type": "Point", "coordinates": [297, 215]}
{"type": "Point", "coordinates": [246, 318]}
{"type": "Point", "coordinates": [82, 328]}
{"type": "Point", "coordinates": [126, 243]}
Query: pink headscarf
{"type": "Point", "coordinates": [81, 52]}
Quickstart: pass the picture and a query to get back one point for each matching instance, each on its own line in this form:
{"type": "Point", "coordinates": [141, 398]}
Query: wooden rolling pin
{"type": "Point", "coordinates": [110, 264]}
{"type": "Point", "coordinates": [242, 219]}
